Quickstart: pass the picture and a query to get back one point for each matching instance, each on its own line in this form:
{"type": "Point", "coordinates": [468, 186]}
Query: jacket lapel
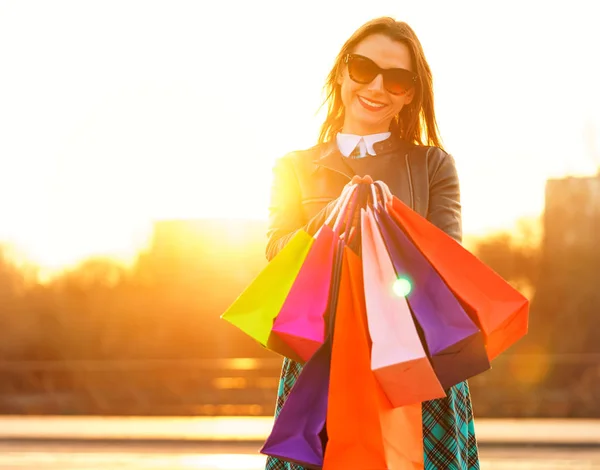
{"type": "Point", "coordinates": [332, 159]}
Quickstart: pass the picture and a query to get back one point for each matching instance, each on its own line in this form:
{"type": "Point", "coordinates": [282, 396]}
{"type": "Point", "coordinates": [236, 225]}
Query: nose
{"type": "Point", "coordinates": [377, 84]}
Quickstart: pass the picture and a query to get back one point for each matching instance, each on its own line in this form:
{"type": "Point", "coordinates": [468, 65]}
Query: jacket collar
{"type": "Point", "coordinates": [330, 156]}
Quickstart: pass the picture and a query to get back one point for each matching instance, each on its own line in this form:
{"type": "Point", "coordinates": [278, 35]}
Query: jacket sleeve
{"type": "Point", "coordinates": [286, 216]}
{"type": "Point", "coordinates": [445, 211]}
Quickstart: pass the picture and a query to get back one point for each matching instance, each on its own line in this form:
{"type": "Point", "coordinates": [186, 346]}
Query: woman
{"type": "Point", "coordinates": [380, 126]}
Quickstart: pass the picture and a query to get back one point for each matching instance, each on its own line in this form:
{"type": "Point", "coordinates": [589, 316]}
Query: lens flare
{"type": "Point", "coordinates": [402, 287]}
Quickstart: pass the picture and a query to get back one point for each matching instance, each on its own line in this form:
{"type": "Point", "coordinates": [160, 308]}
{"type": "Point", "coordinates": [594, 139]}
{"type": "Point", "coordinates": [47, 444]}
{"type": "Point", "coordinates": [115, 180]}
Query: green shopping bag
{"type": "Point", "coordinates": [255, 309]}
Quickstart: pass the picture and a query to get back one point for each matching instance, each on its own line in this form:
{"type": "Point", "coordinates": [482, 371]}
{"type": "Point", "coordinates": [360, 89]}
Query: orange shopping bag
{"type": "Point", "coordinates": [499, 310]}
{"type": "Point", "coordinates": [364, 430]}
{"type": "Point", "coordinates": [398, 357]}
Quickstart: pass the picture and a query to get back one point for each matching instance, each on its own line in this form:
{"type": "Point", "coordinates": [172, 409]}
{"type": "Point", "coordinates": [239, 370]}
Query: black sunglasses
{"type": "Point", "coordinates": [363, 70]}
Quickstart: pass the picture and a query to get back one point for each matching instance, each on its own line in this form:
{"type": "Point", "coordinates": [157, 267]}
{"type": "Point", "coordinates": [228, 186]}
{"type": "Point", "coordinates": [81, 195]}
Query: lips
{"type": "Point", "coordinates": [371, 105]}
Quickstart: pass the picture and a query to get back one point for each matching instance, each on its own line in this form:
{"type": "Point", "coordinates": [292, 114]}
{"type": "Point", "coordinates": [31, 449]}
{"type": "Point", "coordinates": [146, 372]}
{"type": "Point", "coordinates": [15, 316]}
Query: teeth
{"type": "Point", "coordinates": [370, 103]}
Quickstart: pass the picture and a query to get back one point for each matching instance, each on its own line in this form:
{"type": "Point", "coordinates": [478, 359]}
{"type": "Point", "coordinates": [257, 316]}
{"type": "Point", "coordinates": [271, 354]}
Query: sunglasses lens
{"type": "Point", "coordinates": [362, 70]}
{"type": "Point", "coordinates": [399, 81]}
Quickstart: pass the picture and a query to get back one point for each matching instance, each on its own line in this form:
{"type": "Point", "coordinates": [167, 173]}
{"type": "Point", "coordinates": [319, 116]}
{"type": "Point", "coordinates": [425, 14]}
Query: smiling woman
{"type": "Point", "coordinates": [380, 126]}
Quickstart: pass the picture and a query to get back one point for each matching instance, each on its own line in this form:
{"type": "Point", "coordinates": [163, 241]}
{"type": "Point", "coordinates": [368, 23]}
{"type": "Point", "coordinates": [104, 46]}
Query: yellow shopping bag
{"type": "Point", "coordinates": [255, 309]}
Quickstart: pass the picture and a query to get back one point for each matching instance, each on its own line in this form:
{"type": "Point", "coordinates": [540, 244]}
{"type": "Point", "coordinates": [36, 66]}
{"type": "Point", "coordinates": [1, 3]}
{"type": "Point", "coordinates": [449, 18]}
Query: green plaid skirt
{"type": "Point", "coordinates": [448, 432]}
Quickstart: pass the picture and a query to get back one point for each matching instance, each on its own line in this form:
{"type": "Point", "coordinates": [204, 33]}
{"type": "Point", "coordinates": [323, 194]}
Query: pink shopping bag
{"type": "Point", "coordinates": [398, 357]}
{"type": "Point", "coordinates": [300, 324]}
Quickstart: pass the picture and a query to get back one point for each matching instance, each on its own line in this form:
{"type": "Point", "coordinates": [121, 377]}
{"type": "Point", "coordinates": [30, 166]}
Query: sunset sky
{"type": "Point", "coordinates": [117, 113]}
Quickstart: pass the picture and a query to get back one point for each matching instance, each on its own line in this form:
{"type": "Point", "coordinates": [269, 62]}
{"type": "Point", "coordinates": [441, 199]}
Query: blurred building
{"type": "Point", "coordinates": [572, 214]}
{"type": "Point", "coordinates": [564, 312]}
{"type": "Point", "coordinates": [567, 298]}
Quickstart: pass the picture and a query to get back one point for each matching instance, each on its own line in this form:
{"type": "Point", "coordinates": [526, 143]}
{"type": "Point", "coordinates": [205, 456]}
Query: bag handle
{"type": "Point", "coordinates": [340, 204]}
{"type": "Point", "coordinates": [346, 211]}
{"type": "Point", "coordinates": [334, 287]}
{"type": "Point", "coordinates": [376, 204]}
{"type": "Point", "coordinates": [349, 209]}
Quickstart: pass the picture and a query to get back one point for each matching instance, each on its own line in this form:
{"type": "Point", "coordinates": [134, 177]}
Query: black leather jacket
{"type": "Point", "coordinates": [307, 183]}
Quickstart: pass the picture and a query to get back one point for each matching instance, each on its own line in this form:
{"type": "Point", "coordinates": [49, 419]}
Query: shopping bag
{"type": "Point", "coordinates": [364, 430]}
{"type": "Point", "coordinates": [298, 429]}
{"type": "Point", "coordinates": [296, 433]}
{"type": "Point", "coordinates": [402, 430]}
{"type": "Point", "coordinates": [454, 342]}
{"type": "Point", "coordinates": [255, 309]}
{"type": "Point", "coordinates": [498, 309]}
{"type": "Point", "coordinates": [300, 325]}
{"type": "Point", "coordinates": [398, 358]}
{"type": "Point", "coordinates": [299, 433]}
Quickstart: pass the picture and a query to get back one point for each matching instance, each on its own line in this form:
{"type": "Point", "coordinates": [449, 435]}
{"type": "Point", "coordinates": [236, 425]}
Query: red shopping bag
{"type": "Point", "coordinates": [499, 310]}
{"type": "Point", "coordinates": [454, 342]}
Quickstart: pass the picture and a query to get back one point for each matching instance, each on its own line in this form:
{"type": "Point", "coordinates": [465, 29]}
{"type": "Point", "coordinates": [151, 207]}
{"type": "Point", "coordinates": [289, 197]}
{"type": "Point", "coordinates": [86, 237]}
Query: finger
{"type": "Point", "coordinates": [367, 179]}
{"type": "Point", "coordinates": [356, 179]}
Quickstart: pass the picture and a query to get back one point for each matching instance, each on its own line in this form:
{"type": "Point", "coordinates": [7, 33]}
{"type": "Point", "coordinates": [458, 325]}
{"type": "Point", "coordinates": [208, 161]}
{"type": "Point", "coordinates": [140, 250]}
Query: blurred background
{"type": "Point", "coordinates": [136, 146]}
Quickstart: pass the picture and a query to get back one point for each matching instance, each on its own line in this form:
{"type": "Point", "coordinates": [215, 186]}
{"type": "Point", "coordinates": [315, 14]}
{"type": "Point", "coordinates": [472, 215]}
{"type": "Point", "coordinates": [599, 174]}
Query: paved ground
{"type": "Point", "coordinates": [87, 443]}
{"type": "Point", "coordinates": [120, 456]}
{"type": "Point", "coordinates": [500, 431]}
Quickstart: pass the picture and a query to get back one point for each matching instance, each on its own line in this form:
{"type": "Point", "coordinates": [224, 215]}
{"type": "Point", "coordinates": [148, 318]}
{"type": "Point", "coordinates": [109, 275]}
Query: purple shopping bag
{"type": "Point", "coordinates": [454, 342]}
{"type": "Point", "coordinates": [297, 431]}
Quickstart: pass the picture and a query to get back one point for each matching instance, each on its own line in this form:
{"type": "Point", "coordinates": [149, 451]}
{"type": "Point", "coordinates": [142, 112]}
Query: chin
{"type": "Point", "coordinates": [371, 122]}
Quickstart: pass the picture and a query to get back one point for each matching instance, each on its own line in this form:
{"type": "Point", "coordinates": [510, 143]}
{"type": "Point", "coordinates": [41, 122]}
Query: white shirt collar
{"type": "Point", "coordinates": [348, 142]}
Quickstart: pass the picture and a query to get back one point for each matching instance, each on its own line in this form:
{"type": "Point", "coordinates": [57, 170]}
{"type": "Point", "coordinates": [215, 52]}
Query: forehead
{"type": "Point", "coordinates": [385, 52]}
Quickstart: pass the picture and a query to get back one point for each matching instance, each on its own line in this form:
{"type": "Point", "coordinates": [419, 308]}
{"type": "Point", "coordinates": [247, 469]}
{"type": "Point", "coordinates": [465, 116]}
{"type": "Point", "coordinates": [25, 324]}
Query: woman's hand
{"type": "Point", "coordinates": [356, 180]}
{"type": "Point", "coordinates": [384, 195]}
{"type": "Point", "coordinates": [359, 179]}
{"type": "Point", "coordinates": [382, 191]}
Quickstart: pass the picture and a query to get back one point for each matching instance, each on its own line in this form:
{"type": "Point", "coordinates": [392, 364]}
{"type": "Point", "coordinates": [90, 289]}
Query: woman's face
{"type": "Point", "coordinates": [370, 108]}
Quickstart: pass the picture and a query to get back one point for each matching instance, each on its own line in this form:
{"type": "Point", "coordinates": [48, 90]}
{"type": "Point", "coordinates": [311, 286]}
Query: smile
{"type": "Point", "coordinates": [371, 105]}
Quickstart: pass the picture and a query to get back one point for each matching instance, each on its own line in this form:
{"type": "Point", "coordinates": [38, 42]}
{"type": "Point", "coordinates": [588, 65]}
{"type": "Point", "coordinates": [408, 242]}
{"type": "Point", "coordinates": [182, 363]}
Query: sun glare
{"type": "Point", "coordinates": [135, 130]}
{"type": "Point", "coordinates": [69, 244]}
